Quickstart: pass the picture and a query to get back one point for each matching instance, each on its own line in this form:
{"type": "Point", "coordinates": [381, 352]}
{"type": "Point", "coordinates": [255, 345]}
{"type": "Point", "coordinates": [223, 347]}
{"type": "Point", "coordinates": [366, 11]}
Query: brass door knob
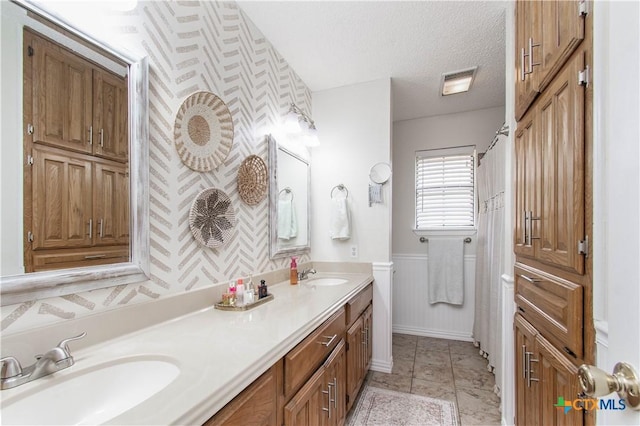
{"type": "Point", "coordinates": [624, 380]}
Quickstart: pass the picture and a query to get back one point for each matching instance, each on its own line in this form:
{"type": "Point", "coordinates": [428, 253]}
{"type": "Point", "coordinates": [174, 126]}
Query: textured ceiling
{"type": "Point", "coordinates": [333, 44]}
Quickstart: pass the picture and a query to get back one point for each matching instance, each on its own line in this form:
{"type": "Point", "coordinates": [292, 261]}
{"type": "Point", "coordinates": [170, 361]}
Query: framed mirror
{"type": "Point", "coordinates": [289, 202]}
{"type": "Point", "coordinates": [21, 17]}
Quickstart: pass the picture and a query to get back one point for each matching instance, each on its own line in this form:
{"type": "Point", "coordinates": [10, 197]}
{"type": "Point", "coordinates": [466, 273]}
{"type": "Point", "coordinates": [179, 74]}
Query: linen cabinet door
{"type": "Point", "coordinates": [527, 404]}
{"type": "Point", "coordinates": [367, 329]}
{"type": "Point", "coordinates": [562, 32]}
{"type": "Point", "coordinates": [61, 199]}
{"type": "Point", "coordinates": [528, 14]}
{"type": "Point", "coordinates": [111, 204]}
{"type": "Point", "coordinates": [558, 379]}
{"type": "Point", "coordinates": [562, 138]}
{"type": "Point", "coordinates": [61, 95]}
{"type": "Point", "coordinates": [527, 192]}
{"type": "Point", "coordinates": [110, 112]}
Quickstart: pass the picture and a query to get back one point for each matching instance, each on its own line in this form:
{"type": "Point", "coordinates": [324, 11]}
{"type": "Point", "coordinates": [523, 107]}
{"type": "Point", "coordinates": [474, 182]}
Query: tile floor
{"type": "Point", "coordinates": [444, 369]}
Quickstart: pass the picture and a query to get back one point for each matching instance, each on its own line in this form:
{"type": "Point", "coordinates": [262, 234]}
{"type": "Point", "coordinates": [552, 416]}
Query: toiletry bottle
{"type": "Point", "coordinates": [293, 279]}
{"type": "Point", "coordinates": [240, 293]}
{"type": "Point", "coordinates": [232, 298]}
{"type": "Point", "coordinates": [262, 290]}
{"type": "Point", "coordinates": [248, 294]}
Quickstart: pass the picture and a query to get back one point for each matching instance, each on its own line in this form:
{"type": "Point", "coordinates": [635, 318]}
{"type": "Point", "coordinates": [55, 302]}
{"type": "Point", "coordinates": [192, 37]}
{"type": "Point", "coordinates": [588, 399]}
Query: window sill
{"type": "Point", "coordinates": [444, 232]}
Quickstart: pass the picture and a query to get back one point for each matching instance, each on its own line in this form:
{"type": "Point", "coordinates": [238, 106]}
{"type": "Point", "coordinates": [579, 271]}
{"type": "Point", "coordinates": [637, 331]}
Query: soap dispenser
{"type": "Point", "coordinates": [293, 279]}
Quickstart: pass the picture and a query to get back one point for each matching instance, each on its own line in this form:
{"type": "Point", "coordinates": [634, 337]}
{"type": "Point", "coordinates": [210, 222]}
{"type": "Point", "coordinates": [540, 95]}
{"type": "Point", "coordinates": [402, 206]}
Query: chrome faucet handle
{"type": "Point", "coordinates": [10, 367]}
{"type": "Point", "coordinates": [63, 344]}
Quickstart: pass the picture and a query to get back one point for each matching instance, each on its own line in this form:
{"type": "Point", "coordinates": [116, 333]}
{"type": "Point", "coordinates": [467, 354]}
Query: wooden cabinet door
{"type": "Point", "coordinates": [558, 377]}
{"type": "Point", "coordinates": [335, 383]}
{"type": "Point", "coordinates": [111, 134]}
{"type": "Point", "coordinates": [367, 329]}
{"type": "Point", "coordinates": [355, 357]}
{"type": "Point", "coordinates": [61, 194]}
{"type": "Point", "coordinates": [562, 30]}
{"type": "Point", "coordinates": [528, 15]}
{"type": "Point", "coordinates": [562, 139]}
{"type": "Point", "coordinates": [309, 406]}
{"type": "Point", "coordinates": [61, 95]}
{"type": "Point", "coordinates": [527, 184]}
{"type": "Point", "coordinates": [527, 403]}
{"type": "Point", "coordinates": [111, 210]}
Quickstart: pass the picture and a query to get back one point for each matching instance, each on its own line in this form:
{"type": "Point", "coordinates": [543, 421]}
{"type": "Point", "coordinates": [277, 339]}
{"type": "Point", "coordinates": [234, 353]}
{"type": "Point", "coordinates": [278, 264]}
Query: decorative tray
{"type": "Point", "coordinates": [258, 302]}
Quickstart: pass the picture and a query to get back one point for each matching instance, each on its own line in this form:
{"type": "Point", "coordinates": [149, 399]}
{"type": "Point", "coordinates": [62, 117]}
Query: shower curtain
{"type": "Point", "coordinates": [489, 255]}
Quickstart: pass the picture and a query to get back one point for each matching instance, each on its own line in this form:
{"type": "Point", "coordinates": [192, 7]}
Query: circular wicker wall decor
{"type": "Point", "coordinates": [203, 131]}
{"type": "Point", "coordinates": [252, 180]}
{"type": "Point", "coordinates": [212, 217]}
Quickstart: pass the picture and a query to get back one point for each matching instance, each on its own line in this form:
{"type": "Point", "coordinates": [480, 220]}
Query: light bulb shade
{"type": "Point", "coordinates": [291, 122]}
{"type": "Point", "coordinates": [311, 137]}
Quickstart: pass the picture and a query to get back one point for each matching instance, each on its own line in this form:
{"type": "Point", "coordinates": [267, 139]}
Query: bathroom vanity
{"type": "Point", "coordinates": [180, 361]}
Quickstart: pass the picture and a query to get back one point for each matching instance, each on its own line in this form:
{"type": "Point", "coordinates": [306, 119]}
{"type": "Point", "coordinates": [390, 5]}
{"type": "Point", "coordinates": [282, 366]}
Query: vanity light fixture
{"type": "Point", "coordinates": [457, 81]}
{"type": "Point", "coordinates": [298, 123]}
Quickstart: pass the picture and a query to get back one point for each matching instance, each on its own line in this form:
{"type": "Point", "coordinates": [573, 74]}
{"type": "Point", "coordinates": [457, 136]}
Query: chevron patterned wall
{"type": "Point", "coordinates": [192, 46]}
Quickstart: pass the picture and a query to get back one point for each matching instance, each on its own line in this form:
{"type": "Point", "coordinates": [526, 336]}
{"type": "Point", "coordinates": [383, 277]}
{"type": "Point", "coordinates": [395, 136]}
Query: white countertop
{"type": "Point", "coordinates": [219, 353]}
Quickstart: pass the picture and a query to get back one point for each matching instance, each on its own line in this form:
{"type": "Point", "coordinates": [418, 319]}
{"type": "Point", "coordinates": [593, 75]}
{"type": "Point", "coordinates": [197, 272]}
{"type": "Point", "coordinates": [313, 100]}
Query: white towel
{"type": "Point", "coordinates": [339, 226]}
{"type": "Point", "coordinates": [287, 223]}
{"type": "Point", "coordinates": [446, 270]}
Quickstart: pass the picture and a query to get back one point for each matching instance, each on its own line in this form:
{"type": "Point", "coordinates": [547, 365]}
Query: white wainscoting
{"type": "Point", "coordinates": [382, 307]}
{"type": "Point", "coordinates": [412, 313]}
{"type": "Point", "coordinates": [507, 367]}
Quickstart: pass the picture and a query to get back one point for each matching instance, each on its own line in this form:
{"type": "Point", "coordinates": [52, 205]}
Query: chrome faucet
{"type": "Point", "coordinates": [305, 273]}
{"type": "Point", "coordinates": [12, 374]}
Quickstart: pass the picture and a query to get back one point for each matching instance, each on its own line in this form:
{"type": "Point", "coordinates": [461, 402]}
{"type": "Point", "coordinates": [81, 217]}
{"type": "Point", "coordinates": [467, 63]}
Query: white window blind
{"type": "Point", "coordinates": [445, 191]}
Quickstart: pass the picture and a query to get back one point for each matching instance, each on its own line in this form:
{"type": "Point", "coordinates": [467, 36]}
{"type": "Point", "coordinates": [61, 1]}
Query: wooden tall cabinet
{"type": "Point", "coordinates": [76, 179]}
{"type": "Point", "coordinates": [553, 286]}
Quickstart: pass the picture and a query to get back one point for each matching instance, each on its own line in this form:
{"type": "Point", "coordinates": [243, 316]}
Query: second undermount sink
{"type": "Point", "coordinates": [327, 281]}
{"type": "Point", "coordinates": [92, 396]}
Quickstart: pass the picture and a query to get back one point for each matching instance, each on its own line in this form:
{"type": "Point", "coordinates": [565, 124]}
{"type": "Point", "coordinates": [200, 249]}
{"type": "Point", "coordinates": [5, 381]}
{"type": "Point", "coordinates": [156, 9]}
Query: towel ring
{"type": "Point", "coordinates": [426, 240]}
{"type": "Point", "coordinates": [287, 190]}
{"type": "Point", "coordinates": [340, 187]}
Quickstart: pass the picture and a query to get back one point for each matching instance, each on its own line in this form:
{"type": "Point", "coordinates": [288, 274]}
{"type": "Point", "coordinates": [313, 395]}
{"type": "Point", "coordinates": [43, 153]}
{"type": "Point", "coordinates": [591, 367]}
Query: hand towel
{"type": "Point", "coordinates": [339, 226]}
{"type": "Point", "coordinates": [287, 223]}
{"type": "Point", "coordinates": [446, 270]}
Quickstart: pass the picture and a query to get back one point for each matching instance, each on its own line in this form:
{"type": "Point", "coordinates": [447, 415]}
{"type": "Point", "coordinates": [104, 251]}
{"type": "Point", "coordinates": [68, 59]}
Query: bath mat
{"type": "Point", "coordinates": [384, 407]}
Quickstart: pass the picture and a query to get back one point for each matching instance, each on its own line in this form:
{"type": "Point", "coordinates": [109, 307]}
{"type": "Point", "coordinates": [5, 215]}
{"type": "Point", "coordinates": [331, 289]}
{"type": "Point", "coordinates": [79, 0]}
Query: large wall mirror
{"type": "Point", "coordinates": [289, 201]}
{"type": "Point", "coordinates": [103, 98]}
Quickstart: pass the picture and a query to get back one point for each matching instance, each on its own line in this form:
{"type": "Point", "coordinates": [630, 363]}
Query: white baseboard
{"type": "Point", "coordinates": [432, 333]}
{"type": "Point", "coordinates": [381, 366]}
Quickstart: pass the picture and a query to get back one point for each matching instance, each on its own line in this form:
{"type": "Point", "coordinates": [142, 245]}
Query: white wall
{"type": "Point", "coordinates": [442, 131]}
{"type": "Point", "coordinates": [354, 128]}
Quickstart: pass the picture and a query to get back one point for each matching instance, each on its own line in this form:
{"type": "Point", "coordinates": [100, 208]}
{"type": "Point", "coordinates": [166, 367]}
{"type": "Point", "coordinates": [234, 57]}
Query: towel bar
{"type": "Point", "coordinates": [339, 187]}
{"type": "Point", "coordinates": [286, 190]}
{"type": "Point", "coordinates": [426, 240]}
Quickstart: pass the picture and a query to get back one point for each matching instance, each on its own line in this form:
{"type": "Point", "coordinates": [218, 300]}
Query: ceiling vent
{"type": "Point", "coordinates": [457, 81]}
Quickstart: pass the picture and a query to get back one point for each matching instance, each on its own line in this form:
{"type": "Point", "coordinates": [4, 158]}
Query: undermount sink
{"type": "Point", "coordinates": [327, 281]}
{"type": "Point", "coordinates": [91, 396]}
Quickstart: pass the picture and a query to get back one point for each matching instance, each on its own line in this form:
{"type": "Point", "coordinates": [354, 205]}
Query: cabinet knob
{"type": "Point", "coordinates": [624, 380]}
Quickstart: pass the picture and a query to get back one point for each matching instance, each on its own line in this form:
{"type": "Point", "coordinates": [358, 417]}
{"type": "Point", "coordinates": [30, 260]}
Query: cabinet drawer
{"type": "Point", "coordinates": [553, 305]}
{"type": "Point", "coordinates": [305, 358]}
{"type": "Point", "coordinates": [359, 303]}
{"type": "Point", "coordinates": [44, 260]}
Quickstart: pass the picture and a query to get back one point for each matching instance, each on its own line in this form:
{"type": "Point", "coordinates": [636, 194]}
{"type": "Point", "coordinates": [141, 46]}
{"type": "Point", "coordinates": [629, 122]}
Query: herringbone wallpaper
{"type": "Point", "coordinates": [192, 46]}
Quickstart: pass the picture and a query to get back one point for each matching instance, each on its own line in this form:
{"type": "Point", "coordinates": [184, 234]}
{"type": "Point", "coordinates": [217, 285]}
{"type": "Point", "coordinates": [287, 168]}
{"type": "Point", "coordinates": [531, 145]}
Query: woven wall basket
{"type": "Point", "coordinates": [203, 131]}
{"type": "Point", "coordinates": [252, 180]}
{"type": "Point", "coordinates": [212, 218]}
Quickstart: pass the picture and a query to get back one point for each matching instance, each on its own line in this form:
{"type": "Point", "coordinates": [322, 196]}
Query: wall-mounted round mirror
{"type": "Point", "coordinates": [380, 173]}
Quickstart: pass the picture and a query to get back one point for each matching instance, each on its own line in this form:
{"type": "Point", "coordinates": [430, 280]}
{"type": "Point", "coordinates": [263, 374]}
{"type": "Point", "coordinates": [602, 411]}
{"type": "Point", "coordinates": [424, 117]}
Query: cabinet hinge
{"type": "Point", "coordinates": [30, 129]}
{"type": "Point", "coordinates": [30, 160]}
{"type": "Point", "coordinates": [583, 77]}
{"type": "Point", "coordinates": [30, 236]}
{"type": "Point", "coordinates": [347, 398]}
{"type": "Point", "coordinates": [582, 8]}
{"type": "Point", "coordinates": [583, 247]}
{"type": "Point", "coordinates": [29, 51]}
{"type": "Point", "coordinates": [347, 346]}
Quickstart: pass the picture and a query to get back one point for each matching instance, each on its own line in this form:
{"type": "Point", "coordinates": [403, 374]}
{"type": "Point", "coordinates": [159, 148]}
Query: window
{"type": "Point", "coordinates": [445, 190]}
